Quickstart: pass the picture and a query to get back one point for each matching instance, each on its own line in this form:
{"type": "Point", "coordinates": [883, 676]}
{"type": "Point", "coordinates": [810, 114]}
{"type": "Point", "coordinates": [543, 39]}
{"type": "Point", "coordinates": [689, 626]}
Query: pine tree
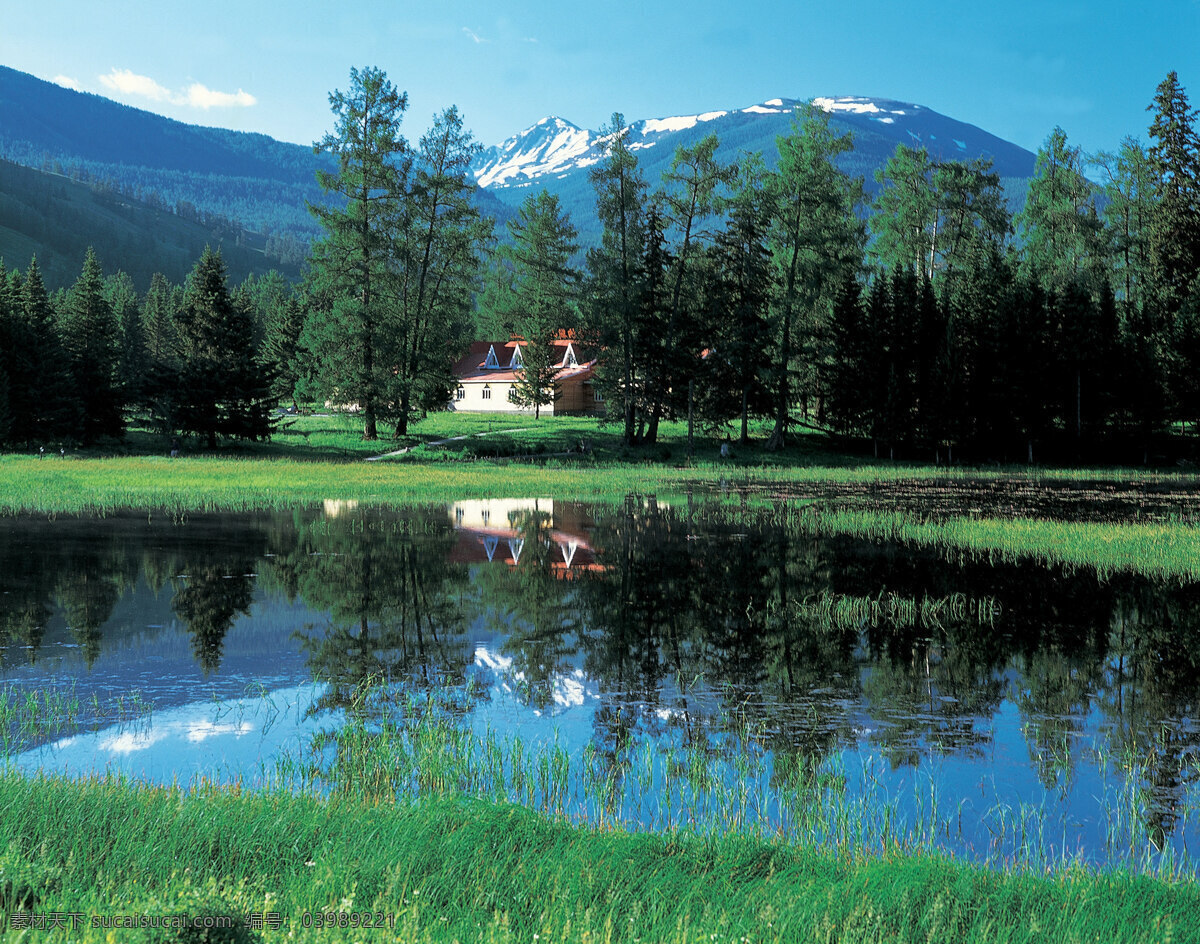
{"type": "Point", "coordinates": [122, 297]}
{"type": "Point", "coordinates": [221, 389]}
{"type": "Point", "coordinates": [439, 236]}
{"type": "Point", "coordinates": [816, 245]}
{"type": "Point", "coordinates": [352, 340]}
{"type": "Point", "coordinates": [905, 210]}
{"type": "Point", "coordinates": [282, 356]}
{"type": "Point", "coordinates": [92, 339]}
{"type": "Point", "coordinates": [1174, 230]}
{"type": "Point", "coordinates": [691, 194]}
{"type": "Point", "coordinates": [620, 198]}
{"type": "Point", "coordinates": [1060, 229]}
{"type": "Point", "coordinates": [1129, 195]}
{"type": "Point", "coordinates": [845, 371]}
{"type": "Point", "coordinates": [542, 300]}
{"type": "Point", "coordinates": [736, 299]}
{"type": "Point", "coordinates": [42, 400]}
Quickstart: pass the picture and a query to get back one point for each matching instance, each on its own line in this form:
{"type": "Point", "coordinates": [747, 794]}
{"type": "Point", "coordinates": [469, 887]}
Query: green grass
{"type": "Point", "coordinates": [457, 870]}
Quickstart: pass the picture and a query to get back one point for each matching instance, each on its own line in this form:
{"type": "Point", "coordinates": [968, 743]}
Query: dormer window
{"type": "Point", "coordinates": [491, 357]}
{"type": "Point", "coordinates": [569, 359]}
{"type": "Point", "coordinates": [517, 360]}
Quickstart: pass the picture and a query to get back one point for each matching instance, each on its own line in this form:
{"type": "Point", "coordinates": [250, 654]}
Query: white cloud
{"type": "Point", "coordinates": [67, 82]}
{"type": "Point", "coordinates": [475, 37]}
{"type": "Point", "coordinates": [198, 96]}
{"type": "Point", "coordinates": [195, 96]}
{"type": "Point", "coordinates": [130, 83]}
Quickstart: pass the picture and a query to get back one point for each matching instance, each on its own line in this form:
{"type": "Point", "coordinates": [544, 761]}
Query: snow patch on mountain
{"type": "Point", "coordinates": [865, 106]}
{"type": "Point", "coordinates": [679, 123]}
{"type": "Point", "coordinates": [555, 149]}
{"type": "Point", "coordinates": [551, 146]}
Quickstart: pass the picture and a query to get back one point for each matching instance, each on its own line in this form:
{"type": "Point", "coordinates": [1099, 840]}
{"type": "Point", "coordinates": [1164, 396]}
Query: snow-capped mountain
{"type": "Point", "coordinates": [550, 146]}
{"type": "Point", "coordinates": [554, 149]}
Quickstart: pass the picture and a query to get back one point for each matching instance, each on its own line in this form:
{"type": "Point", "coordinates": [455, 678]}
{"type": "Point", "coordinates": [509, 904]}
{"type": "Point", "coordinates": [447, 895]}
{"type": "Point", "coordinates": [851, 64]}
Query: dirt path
{"type": "Point", "coordinates": [442, 442]}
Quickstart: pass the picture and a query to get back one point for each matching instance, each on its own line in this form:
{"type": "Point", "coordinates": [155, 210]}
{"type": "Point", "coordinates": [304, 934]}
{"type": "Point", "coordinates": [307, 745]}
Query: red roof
{"type": "Point", "coordinates": [473, 367]}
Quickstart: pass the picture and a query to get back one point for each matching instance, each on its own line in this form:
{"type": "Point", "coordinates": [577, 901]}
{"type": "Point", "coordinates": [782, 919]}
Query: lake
{"type": "Point", "coordinates": [649, 665]}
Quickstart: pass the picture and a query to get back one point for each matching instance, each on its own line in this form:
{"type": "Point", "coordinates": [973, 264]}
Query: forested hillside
{"type": "Point", "coordinates": [261, 182]}
{"type": "Point", "coordinates": [57, 219]}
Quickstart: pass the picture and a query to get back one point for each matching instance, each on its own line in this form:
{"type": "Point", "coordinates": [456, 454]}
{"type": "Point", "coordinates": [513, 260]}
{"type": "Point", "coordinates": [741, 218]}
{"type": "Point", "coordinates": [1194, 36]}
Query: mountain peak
{"type": "Point", "coordinates": [553, 148]}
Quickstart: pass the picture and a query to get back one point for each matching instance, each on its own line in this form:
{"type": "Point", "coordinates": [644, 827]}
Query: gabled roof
{"type": "Point", "coordinates": [474, 368]}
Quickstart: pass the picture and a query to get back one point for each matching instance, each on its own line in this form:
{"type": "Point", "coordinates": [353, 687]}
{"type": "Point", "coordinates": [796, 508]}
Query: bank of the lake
{"type": "Point", "coordinates": [187, 485]}
{"type": "Point", "coordinates": [469, 870]}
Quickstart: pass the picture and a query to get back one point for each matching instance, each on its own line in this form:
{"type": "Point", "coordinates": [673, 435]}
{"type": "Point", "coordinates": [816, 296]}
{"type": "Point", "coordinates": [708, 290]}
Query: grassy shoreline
{"type": "Point", "coordinates": [178, 487]}
{"type": "Point", "coordinates": [472, 870]}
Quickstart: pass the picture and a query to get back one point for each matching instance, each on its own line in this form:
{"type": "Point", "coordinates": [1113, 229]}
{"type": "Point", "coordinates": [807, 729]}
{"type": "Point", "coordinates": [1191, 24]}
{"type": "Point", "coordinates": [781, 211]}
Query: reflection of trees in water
{"type": "Point", "coordinates": [211, 597]}
{"type": "Point", "coordinates": [393, 601]}
{"type": "Point", "coordinates": [684, 618]}
{"type": "Point", "coordinates": [1151, 684]}
{"type": "Point", "coordinates": [214, 585]}
{"type": "Point", "coordinates": [538, 607]}
{"type": "Point", "coordinates": [91, 582]}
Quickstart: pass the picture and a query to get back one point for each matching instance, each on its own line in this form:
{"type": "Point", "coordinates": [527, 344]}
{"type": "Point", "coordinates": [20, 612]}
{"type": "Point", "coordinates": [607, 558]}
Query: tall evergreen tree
{"type": "Point", "coordinates": [222, 390]}
{"type": "Point", "coordinates": [1060, 230]}
{"type": "Point", "coordinates": [816, 245]}
{"type": "Point", "coordinates": [282, 355]}
{"type": "Point", "coordinates": [905, 210]}
{"type": "Point", "coordinates": [159, 308]}
{"type": "Point", "coordinates": [46, 409]}
{"type": "Point", "coordinates": [439, 236]}
{"type": "Point", "coordinates": [8, 328]}
{"type": "Point", "coordinates": [1174, 231]}
{"type": "Point", "coordinates": [122, 298]}
{"type": "Point", "coordinates": [542, 297]}
{"type": "Point", "coordinates": [1129, 203]}
{"type": "Point", "coordinates": [928, 214]}
{"type": "Point", "coordinates": [691, 194]}
{"type": "Point", "coordinates": [737, 295]}
{"type": "Point", "coordinates": [613, 267]}
{"type": "Point", "coordinates": [352, 339]}
{"type": "Point", "coordinates": [92, 339]}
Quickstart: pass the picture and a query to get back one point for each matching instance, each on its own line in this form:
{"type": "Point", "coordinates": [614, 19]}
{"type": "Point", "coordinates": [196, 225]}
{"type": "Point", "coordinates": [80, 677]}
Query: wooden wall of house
{"type": "Point", "coordinates": [575, 398]}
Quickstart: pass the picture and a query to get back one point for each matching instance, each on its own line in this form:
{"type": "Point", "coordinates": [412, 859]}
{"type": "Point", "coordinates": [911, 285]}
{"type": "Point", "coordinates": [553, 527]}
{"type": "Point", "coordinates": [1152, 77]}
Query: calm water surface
{"type": "Point", "coordinates": [998, 710]}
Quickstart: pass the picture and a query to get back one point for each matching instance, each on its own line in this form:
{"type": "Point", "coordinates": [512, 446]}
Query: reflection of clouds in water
{"type": "Point", "coordinates": [567, 690]}
{"type": "Point", "coordinates": [127, 742]}
{"type": "Point", "coordinates": [207, 729]}
{"type": "Point", "coordinates": [220, 740]}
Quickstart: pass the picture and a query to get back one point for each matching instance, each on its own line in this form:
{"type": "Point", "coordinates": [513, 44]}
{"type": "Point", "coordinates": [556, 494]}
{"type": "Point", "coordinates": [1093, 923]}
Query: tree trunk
{"type": "Point", "coordinates": [402, 422]}
{"type": "Point", "coordinates": [745, 416]}
{"type": "Point", "coordinates": [691, 395]}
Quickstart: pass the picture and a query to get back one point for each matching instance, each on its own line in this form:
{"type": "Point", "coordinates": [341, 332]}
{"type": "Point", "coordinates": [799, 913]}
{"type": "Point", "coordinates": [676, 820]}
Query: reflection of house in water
{"type": "Point", "coordinates": [498, 530]}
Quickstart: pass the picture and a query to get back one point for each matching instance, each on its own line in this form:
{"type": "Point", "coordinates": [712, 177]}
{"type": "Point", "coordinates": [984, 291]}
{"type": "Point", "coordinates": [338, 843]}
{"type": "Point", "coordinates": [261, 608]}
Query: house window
{"type": "Point", "coordinates": [512, 394]}
{"type": "Point", "coordinates": [598, 396]}
{"type": "Point", "coordinates": [460, 393]}
{"type": "Point", "coordinates": [487, 392]}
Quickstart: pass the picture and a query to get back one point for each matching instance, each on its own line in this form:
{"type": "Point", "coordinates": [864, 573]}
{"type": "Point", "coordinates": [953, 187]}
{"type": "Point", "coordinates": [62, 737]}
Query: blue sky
{"type": "Point", "coordinates": [1016, 69]}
